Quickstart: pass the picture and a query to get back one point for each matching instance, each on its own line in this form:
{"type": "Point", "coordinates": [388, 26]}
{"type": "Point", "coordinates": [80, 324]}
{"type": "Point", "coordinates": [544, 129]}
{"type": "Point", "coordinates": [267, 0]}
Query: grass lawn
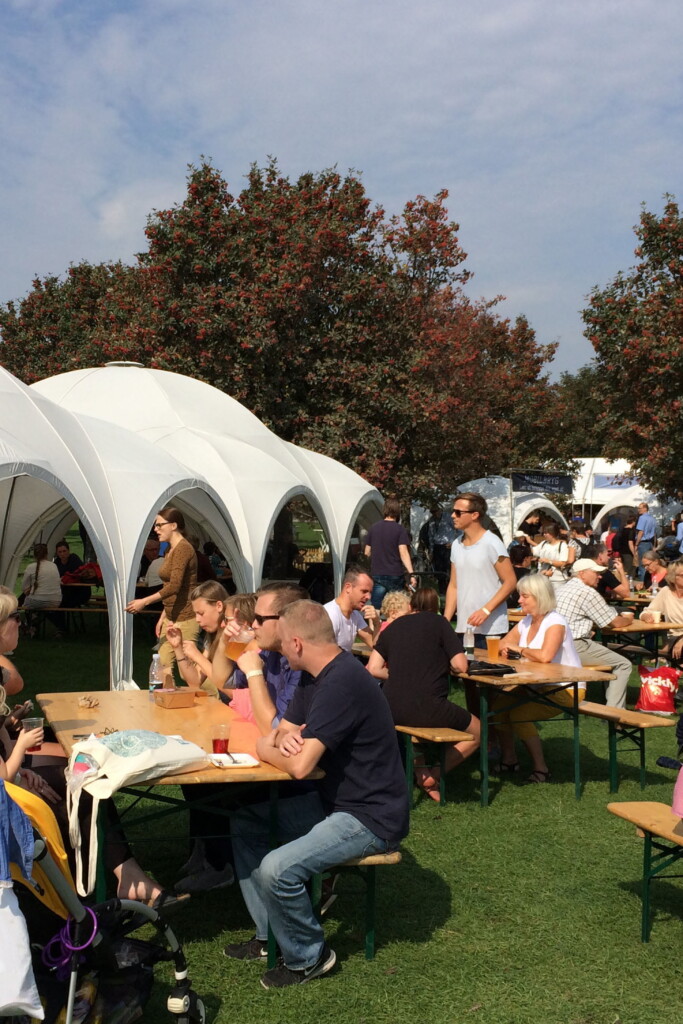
{"type": "Point", "coordinates": [527, 912]}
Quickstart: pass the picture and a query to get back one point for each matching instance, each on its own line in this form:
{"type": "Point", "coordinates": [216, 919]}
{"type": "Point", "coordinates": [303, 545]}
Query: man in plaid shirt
{"type": "Point", "coordinates": [583, 608]}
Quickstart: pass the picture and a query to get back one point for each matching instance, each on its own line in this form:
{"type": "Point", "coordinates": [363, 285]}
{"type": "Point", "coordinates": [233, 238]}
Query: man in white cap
{"type": "Point", "coordinates": [583, 608]}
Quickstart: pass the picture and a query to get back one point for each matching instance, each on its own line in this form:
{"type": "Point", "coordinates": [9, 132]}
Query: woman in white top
{"type": "Point", "coordinates": [42, 585]}
{"type": "Point", "coordinates": [543, 636]}
{"type": "Point", "coordinates": [554, 555]}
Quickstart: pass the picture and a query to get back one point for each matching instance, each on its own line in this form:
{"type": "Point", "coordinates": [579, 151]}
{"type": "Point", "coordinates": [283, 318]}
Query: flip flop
{"type": "Point", "coordinates": [166, 900]}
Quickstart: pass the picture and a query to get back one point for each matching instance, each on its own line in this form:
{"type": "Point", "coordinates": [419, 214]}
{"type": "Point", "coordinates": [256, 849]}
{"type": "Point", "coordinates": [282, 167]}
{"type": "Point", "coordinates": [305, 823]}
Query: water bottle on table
{"type": "Point", "coordinates": [156, 676]}
{"type": "Point", "coordinates": [469, 641]}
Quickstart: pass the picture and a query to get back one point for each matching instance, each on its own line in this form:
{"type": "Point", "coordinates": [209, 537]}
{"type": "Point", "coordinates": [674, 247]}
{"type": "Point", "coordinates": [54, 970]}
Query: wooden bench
{"type": "Point", "coordinates": [662, 831]}
{"type": "Point", "coordinates": [443, 738]}
{"type": "Point", "coordinates": [624, 726]}
{"type": "Point", "coordinates": [365, 867]}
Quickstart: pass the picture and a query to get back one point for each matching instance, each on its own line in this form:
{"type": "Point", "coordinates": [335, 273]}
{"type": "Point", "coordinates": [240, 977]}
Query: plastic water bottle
{"type": "Point", "coordinates": [156, 676]}
{"type": "Point", "coordinates": [469, 641]}
{"type": "Point", "coordinates": [654, 588]}
{"type": "Point", "coordinates": [629, 580]}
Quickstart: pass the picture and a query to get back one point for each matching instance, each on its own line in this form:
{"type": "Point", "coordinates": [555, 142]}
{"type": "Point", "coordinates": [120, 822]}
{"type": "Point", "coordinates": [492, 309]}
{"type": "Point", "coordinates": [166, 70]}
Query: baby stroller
{"type": "Point", "coordinates": [93, 969]}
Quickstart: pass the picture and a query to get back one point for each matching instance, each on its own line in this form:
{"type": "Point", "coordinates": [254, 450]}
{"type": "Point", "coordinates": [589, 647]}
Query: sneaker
{"type": "Point", "coordinates": [252, 949]}
{"type": "Point", "coordinates": [282, 976]}
{"type": "Point", "coordinates": [206, 878]}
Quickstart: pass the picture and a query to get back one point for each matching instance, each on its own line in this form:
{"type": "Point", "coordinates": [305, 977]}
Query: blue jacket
{"type": "Point", "coordinates": [16, 838]}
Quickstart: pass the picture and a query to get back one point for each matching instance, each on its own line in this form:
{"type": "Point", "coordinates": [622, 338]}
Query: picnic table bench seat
{"type": "Point", "coordinates": [625, 727]}
{"type": "Point", "coordinates": [662, 831]}
{"type": "Point", "coordinates": [443, 738]}
{"type": "Point", "coordinates": [365, 867]}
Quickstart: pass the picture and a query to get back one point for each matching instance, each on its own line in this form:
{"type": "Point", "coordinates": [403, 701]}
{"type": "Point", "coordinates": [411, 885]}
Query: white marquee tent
{"type": "Point", "coordinates": [115, 444]}
{"type": "Point", "coordinates": [509, 515]}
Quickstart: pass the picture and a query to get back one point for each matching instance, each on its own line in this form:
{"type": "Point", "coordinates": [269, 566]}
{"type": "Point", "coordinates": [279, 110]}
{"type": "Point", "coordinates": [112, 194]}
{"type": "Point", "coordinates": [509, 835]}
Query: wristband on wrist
{"type": "Point", "coordinates": [485, 609]}
{"type": "Point", "coordinates": [253, 672]}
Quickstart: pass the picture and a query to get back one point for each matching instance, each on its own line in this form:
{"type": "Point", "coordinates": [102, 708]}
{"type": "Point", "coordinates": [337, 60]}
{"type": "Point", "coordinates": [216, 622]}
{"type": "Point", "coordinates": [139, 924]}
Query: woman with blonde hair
{"type": "Point", "coordinates": [179, 575]}
{"type": "Point", "coordinates": [543, 635]}
{"type": "Point", "coordinates": [394, 604]}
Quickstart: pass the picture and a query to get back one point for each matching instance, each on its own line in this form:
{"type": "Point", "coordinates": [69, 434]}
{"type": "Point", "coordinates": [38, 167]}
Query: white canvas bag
{"type": "Point", "coordinates": [102, 766]}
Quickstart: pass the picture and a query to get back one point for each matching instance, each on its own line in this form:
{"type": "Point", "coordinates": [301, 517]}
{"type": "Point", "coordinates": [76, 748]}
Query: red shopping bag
{"type": "Point", "coordinates": [657, 689]}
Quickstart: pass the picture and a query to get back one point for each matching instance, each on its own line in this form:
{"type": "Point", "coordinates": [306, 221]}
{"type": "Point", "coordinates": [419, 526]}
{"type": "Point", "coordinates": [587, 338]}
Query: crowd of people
{"type": "Point", "coordinates": [286, 663]}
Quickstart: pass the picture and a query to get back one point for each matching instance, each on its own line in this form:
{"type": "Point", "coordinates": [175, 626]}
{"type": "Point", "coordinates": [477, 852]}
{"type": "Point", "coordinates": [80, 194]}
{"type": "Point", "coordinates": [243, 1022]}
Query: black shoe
{"type": "Point", "coordinates": [253, 949]}
{"type": "Point", "coordinates": [282, 976]}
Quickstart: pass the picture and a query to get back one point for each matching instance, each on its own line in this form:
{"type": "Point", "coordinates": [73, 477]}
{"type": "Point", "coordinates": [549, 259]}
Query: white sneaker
{"type": "Point", "coordinates": [206, 879]}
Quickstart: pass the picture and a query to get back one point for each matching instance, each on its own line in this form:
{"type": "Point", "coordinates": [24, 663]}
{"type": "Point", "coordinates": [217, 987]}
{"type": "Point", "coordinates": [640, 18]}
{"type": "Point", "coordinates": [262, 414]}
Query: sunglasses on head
{"type": "Point", "coordinates": [260, 619]}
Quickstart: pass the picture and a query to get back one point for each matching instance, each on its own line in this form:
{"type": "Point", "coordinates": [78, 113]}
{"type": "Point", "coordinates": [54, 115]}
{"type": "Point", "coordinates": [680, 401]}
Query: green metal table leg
{"type": "Point", "coordinates": [370, 913]}
{"type": "Point", "coordinates": [641, 745]}
{"type": "Point", "coordinates": [613, 766]}
{"type": "Point", "coordinates": [410, 764]}
{"type": "Point", "coordinates": [577, 745]}
{"type": "Point", "coordinates": [443, 749]}
{"type": "Point", "coordinates": [484, 748]}
{"type": "Point", "coordinates": [647, 867]}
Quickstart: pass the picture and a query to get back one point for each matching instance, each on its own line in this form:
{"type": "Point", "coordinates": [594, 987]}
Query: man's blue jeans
{"type": "Point", "coordinates": [645, 545]}
{"type": "Point", "coordinates": [382, 585]}
{"type": "Point", "coordinates": [273, 882]}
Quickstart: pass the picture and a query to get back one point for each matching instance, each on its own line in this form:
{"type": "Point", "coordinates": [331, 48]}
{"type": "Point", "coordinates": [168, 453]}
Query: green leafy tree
{"type": "Point", "coordinates": [636, 325]}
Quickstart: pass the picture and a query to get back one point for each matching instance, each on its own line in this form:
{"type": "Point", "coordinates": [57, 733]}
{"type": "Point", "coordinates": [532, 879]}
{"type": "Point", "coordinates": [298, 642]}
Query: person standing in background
{"type": "Point", "coordinates": [387, 545]}
{"type": "Point", "coordinates": [179, 575]}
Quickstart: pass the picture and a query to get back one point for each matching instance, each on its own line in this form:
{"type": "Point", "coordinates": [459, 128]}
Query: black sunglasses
{"type": "Point", "coordinates": [462, 512]}
{"type": "Point", "coordinates": [264, 618]}
{"type": "Point", "coordinates": [16, 616]}
{"type": "Point", "coordinates": [164, 522]}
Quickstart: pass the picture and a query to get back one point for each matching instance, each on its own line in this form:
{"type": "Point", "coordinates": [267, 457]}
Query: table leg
{"type": "Point", "coordinates": [577, 745]}
{"type": "Point", "coordinates": [613, 767]}
{"type": "Point", "coordinates": [647, 867]}
{"type": "Point", "coordinates": [484, 747]}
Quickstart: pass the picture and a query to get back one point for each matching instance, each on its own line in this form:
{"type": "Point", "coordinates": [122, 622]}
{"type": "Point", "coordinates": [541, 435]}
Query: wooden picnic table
{"type": "Point", "coordinates": [132, 709]}
{"type": "Point", "coordinates": [525, 675]}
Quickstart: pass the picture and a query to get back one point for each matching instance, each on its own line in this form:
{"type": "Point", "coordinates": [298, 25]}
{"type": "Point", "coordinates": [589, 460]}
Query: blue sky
{"type": "Point", "coordinates": [549, 124]}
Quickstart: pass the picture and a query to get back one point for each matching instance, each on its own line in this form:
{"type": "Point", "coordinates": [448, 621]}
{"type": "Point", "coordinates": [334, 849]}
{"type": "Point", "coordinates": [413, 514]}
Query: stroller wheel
{"type": "Point", "coordinates": [187, 1009]}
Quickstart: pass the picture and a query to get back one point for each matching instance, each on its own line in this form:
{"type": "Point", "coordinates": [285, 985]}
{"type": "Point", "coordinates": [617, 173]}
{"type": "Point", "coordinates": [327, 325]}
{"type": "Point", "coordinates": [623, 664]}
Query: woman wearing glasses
{"type": "Point", "coordinates": [179, 575]}
{"type": "Point", "coordinates": [669, 601]}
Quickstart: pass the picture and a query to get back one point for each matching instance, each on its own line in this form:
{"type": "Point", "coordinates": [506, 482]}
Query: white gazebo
{"type": "Point", "coordinates": [113, 445]}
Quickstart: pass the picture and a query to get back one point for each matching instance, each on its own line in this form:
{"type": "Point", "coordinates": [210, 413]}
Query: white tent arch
{"type": "Point", "coordinates": [253, 470]}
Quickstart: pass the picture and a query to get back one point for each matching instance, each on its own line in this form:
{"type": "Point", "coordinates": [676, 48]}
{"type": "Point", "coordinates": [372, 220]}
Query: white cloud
{"type": "Point", "coordinates": [548, 124]}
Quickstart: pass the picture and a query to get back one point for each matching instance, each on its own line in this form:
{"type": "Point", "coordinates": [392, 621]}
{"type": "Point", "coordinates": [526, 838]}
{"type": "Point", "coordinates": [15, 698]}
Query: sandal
{"type": "Point", "coordinates": [503, 768]}
{"type": "Point", "coordinates": [428, 784]}
{"type": "Point", "coordinates": [537, 776]}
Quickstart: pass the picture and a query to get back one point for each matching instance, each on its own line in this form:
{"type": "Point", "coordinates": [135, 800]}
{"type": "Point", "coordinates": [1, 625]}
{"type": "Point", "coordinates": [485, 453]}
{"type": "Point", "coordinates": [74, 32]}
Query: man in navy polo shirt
{"type": "Point", "coordinates": [338, 719]}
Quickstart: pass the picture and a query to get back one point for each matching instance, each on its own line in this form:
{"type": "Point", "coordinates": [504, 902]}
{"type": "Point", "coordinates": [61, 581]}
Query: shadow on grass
{"type": "Point", "coordinates": [666, 900]}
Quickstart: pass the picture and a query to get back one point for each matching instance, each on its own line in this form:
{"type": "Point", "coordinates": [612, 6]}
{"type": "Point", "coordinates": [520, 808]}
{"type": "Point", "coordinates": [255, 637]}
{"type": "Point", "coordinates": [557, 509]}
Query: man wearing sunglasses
{"type": "Point", "coordinates": [481, 578]}
{"type": "Point", "coordinates": [267, 673]}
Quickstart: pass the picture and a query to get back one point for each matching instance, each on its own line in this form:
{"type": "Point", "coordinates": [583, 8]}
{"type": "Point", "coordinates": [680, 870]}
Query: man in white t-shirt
{"type": "Point", "coordinates": [352, 613]}
{"type": "Point", "coordinates": [481, 577]}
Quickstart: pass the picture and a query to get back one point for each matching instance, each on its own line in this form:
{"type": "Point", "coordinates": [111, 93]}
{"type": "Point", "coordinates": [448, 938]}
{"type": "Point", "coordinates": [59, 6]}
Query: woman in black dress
{"type": "Point", "coordinates": [414, 657]}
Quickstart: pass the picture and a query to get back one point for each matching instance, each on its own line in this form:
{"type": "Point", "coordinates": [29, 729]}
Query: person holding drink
{"type": "Point", "coordinates": [542, 636]}
{"type": "Point", "coordinates": [211, 667]}
{"type": "Point", "coordinates": [669, 604]}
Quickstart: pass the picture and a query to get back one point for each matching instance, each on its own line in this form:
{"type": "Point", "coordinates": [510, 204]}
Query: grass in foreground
{"type": "Point", "coordinates": [527, 912]}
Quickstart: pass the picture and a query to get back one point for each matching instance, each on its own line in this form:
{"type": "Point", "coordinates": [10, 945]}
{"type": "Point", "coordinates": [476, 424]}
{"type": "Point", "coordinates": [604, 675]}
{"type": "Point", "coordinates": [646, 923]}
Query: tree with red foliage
{"type": "Point", "coordinates": [635, 325]}
{"type": "Point", "coordinates": [343, 331]}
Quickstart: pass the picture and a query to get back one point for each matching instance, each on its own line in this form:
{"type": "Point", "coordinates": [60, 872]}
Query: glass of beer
{"type": "Point", "coordinates": [234, 645]}
{"type": "Point", "coordinates": [493, 646]}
